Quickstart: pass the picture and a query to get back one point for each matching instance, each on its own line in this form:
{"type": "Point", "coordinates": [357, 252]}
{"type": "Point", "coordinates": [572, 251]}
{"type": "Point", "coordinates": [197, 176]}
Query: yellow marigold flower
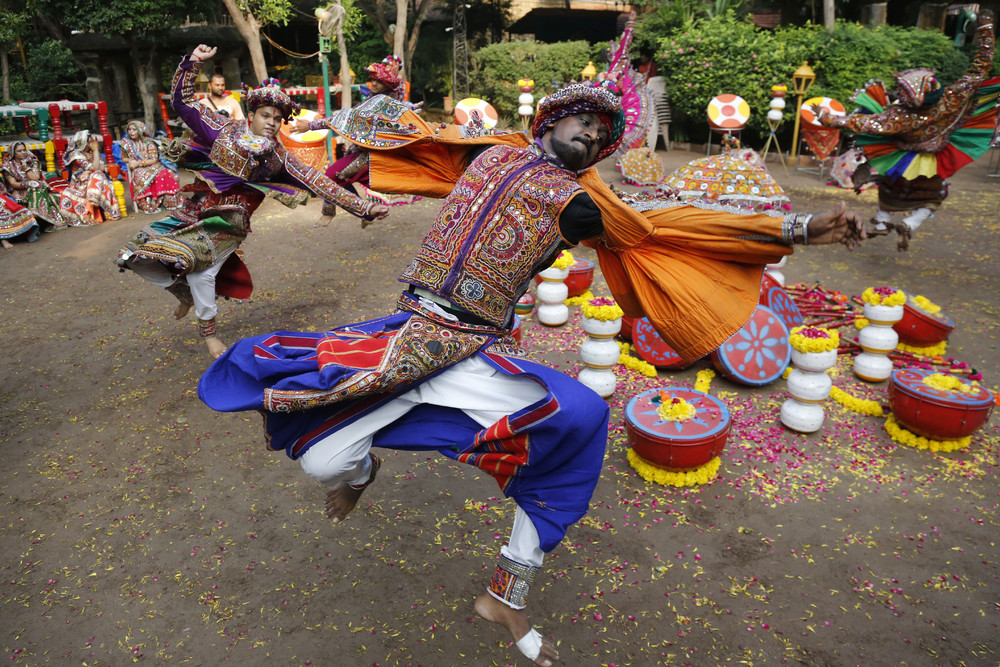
{"type": "Point", "coordinates": [813, 339]}
{"type": "Point", "coordinates": [703, 380]}
{"type": "Point", "coordinates": [932, 351]}
{"type": "Point", "coordinates": [862, 405]}
{"type": "Point", "coordinates": [883, 296]}
{"type": "Point", "coordinates": [601, 309]}
{"type": "Point", "coordinates": [943, 382]}
{"type": "Point", "coordinates": [651, 473]}
{"type": "Point", "coordinates": [925, 305]}
{"type": "Point", "coordinates": [563, 261]}
{"type": "Point", "coordinates": [904, 437]}
{"type": "Point", "coordinates": [674, 408]}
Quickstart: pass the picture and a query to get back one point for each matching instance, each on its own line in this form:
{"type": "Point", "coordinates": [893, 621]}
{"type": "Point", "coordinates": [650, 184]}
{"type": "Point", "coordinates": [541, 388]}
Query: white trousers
{"type": "Point", "coordinates": [202, 283]}
{"type": "Point", "coordinates": [472, 386]}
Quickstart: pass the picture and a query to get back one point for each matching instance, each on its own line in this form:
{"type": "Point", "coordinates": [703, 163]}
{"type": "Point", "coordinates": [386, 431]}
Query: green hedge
{"type": "Point", "coordinates": [497, 67]}
{"type": "Point", "coordinates": [730, 55]}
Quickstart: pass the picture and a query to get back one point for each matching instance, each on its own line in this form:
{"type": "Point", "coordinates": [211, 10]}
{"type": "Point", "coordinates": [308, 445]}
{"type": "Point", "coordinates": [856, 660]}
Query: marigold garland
{"type": "Point", "coordinates": [563, 261]}
{"type": "Point", "coordinates": [904, 437]}
{"type": "Point", "coordinates": [602, 309]}
{"type": "Point", "coordinates": [808, 339]}
{"type": "Point", "coordinates": [579, 300]}
{"type": "Point", "coordinates": [932, 351]}
{"type": "Point", "coordinates": [703, 381]}
{"type": "Point", "coordinates": [862, 405]}
{"type": "Point", "coordinates": [860, 322]}
{"type": "Point", "coordinates": [633, 364]}
{"type": "Point", "coordinates": [651, 473]}
{"type": "Point", "coordinates": [943, 382]}
{"type": "Point", "coordinates": [925, 305]}
{"type": "Point", "coordinates": [883, 296]}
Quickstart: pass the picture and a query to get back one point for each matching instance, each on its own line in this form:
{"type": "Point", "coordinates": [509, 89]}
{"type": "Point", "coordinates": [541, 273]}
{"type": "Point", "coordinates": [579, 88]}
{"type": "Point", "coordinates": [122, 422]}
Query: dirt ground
{"type": "Point", "coordinates": [139, 526]}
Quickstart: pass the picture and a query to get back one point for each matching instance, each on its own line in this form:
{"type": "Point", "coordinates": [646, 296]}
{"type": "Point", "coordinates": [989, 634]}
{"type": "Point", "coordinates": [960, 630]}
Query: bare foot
{"type": "Point", "coordinates": [516, 622]}
{"type": "Point", "coordinates": [6, 244]}
{"type": "Point", "coordinates": [215, 346]}
{"type": "Point", "coordinates": [182, 310]}
{"type": "Point", "coordinates": [324, 221]}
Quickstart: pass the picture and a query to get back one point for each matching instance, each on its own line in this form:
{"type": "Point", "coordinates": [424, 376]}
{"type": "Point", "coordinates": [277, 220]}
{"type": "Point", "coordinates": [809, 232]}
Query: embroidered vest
{"type": "Point", "coordinates": [494, 232]}
{"type": "Point", "coordinates": [239, 153]}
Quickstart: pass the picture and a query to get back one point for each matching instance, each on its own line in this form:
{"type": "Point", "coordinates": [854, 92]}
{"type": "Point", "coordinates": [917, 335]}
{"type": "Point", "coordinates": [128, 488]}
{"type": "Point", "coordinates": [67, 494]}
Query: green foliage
{"type": "Point", "coordinates": [51, 74]}
{"type": "Point", "coordinates": [729, 55]}
{"type": "Point", "coordinates": [268, 12]}
{"type": "Point", "coordinates": [121, 17]}
{"type": "Point", "coordinates": [499, 66]}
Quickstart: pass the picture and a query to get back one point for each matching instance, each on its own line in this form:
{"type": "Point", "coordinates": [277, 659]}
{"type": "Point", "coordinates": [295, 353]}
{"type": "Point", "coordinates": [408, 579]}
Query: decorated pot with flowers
{"type": "Point", "coordinates": [923, 324]}
{"type": "Point", "coordinates": [676, 429]}
{"type": "Point", "coordinates": [938, 405]}
{"type": "Point", "coordinates": [602, 319]}
{"type": "Point", "coordinates": [581, 275]}
{"type": "Point", "coordinates": [552, 291]}
{"type": "Point", "coordinates": [883, 307]}
{"type": "Point", "coordinates": [758, 353]}
{"type": "Point", "coordinates": [814, 349]}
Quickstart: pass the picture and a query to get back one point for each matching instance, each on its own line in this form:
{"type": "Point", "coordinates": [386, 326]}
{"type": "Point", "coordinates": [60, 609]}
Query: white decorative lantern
{"type": "Point", "coordinates": [777, 103]}
{"type": "Point", "coordinates": [600, 352]}
{"type": "Point", "coordinates": [551, 293]}
{"type": "Point", "coordinates": [775, 115]}
{"type": "Point", "coordinates": [877, 340]}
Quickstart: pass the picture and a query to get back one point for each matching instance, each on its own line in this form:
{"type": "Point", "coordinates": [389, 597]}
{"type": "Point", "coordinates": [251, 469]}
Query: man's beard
{"type": "Point", "coordinates": [572, 153]}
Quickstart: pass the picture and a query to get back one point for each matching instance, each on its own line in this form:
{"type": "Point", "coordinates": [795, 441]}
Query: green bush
{"type": "Point", "coordinates": [497, 68]}
{"type": "Point", "coordinates": [727, 55]}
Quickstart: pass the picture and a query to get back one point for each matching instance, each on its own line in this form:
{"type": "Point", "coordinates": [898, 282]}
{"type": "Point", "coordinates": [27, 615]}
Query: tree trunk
{"type": "Point", "coordinates": [829, 15]}
{"type": "Point", "coordinates": [345, 67]}
{"type": "Point", "coordinates": [399, 35]}
{"type": "Point", "coordinates": [5, 67]}
{"type": "Point", "coordinates": [249, 28]}
{"type": "Point", "coordinates": [411, 46]}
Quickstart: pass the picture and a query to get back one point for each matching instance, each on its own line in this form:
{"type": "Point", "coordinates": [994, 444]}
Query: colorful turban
{"type": "Point", "coordinates": [580, 98]}
{"type": "Point", "coordinates": [269, 94]}
{"type": "Point", "coordinates": [918, 87]}
{"type": "Point", "coordinates": [386, 72]}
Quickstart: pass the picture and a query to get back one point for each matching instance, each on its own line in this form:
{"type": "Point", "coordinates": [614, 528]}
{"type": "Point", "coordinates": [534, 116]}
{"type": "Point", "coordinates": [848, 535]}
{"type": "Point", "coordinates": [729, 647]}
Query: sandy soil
{"type": "Point", "coordinates": [139, 526]}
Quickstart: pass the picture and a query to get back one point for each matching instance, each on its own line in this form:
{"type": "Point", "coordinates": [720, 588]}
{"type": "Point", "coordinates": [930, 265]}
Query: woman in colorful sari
{"type": "Point", "coordinates": [15, 221]}
{"type": "Point", "coordinates": [154, 186]}
{"type": "Point", "coordinates": [89, 199]}
{"type": "Point", "coordinates": [23, 177]}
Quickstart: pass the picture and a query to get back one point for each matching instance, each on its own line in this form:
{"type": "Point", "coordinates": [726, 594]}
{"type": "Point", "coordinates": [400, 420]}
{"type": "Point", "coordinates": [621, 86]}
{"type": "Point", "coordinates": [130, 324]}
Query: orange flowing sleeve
{"type": "Point", "coordinates": [694, 271]}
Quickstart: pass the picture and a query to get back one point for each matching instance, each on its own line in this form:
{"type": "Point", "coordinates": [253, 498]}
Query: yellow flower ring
{"type": "Point", "coordinates": [579, 300]}
{"type": "Point", "coordinates": [925, 305]}
{"type": "Point", "coordinates": [701, 475]}
{"type": "Point", "coordinates": [563, 261]}
{"type": "Point", "coordinates": [943, 382]}
{"type": "Point", "coordinates": [883, 296]}
{"type": "Point", "coordinates": [904, 437]}
{"type": "Point", "coordinates": [674, 408]}
{"type": "Point", "coordinates": [602, 308]}
{"type": "Point", "coordinates": [633, 364]}
{"type": "Point", "coordinates": [808, 339]}
{"type": "Point", "coordinates": [932, 351]}
{"type": "Point", "coordinates": [703, 382]}
{"type": "Point", "coordinates": [862, 405]}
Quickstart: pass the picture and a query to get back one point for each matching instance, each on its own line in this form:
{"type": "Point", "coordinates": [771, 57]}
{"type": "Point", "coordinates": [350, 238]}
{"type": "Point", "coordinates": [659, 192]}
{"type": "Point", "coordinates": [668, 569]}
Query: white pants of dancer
{"type": "Point", "coordinates": [472, 386]}
{"type": "Point", "coordinates": [202, 283]}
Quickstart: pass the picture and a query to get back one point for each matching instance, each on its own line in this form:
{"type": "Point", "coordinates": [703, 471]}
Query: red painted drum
{"type": "Point", "coordinates": [581, 274]}
{"type": "Point", "coordinates": [921, 328]}
{"type": "Point", "coordinates": [677, 445]}
{"type": "Point", "coordinates": [525, 305]}
{"type": "Point", "coordinates": [774, 296]}
{"type": "Point", "coordinates": [626, 330]}
{"type": "Point", "coordinates": [935, 413]}
{"type": "Point", "coordinates": [758, 353]}
{"type": "Point", "coordinates": [650, 347]}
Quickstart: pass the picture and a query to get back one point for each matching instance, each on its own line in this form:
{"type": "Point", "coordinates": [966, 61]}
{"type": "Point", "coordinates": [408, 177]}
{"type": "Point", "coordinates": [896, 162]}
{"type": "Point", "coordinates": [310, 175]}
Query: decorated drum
{"type": "Point", "coordinates": [935, 413]}
{"type": "Point", "coordinates": [464, 109]}
{"type": "Point", "coordinates": [652, 348]}
{"type": "Point", "coordinates": [758, 353]}
{"type": "Point", "coordinates": [728, 112]}
{"type": "Point", "coordinates": [831, 105]}
{"type": "Point", "coordinates": [774, 296]}
{"type": "Point", "coordinates": [581, 274]}
{"type": "Point", "coordinates": [677, 445]}
{"type": "Point", "coordinates": [309, 147]}
{"type": "Point", "coordinates": [920, 327]}
{"type": "Point", "coordinates": [525, 305]}
{"type": "Point", "coordinates": [518, 330]}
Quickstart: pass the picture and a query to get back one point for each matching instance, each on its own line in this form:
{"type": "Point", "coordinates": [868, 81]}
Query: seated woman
{"type": "Point", "coordinates": [28, 187]}
{"type": "Point", "coordinates": [89, 198]}
{"type": "Point", "coordinates": [154, 186]}
{"type": "Point", "coordinates": [15, 221]}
